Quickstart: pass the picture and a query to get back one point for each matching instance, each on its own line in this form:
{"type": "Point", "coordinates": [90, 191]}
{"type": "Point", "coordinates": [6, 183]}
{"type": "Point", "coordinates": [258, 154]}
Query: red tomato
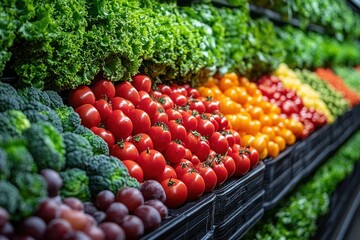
{"type": "Point", "coordinates": [211, 105]}
{"type": "Point", "coordinates": [104, 134]}
{"type": "Point", "coordinates": [178, 99]}
{"type": "Point", "coordinates": [224, 124]}
{"type": "Point", "coordinates": [142, 141]}
{"type": "Point", "coordinates": [183, 167]}
{"type": "Point", "coordinates": [148, 105]}
{"type": "Point", "coordinates": [119, 124]}
{"type": "Point", "coordinates": [218, 143]}
{"type": "Point", "coordinates": [204, 126]}
{"type": "Point", "coordinates": [164, 89]}
{"type": "Point", "coordinates": [229, 164]}
{"type": "Point", "coordinates": [160, 135]}
{"type": "Point", "coordinates": [188, 154]}
{"type": "Point", "coordinates": [213, 119]}
{"type": "Point", "coordinates": [80, 96]}
{"type": "Point", "coordinates": [141, 82]}
{"type": "Point", "coordinates": [177, 130]}
{"type": "Point", "coordinates": [104, 108]}
{"type": "Point", "coordinates": [134, 170]}
{"type": "Point", "coordinates": [189, 121]}
{"type": "Point", "coordinates": [242, 163]}
{"type": "Point", "coordinates": [253, 155]}
{"type": "Point", "coordinates": [176, 192]}
{"type": "Point", "coordinates": [126, 90]}
{"type": "Point", "coordinates": [125, 151]}
{"type": "Point", "coordinates": [174, 152]}
{"type": "Point", "coordinates": [195, 184]}
{"type": "Point", "coordinates": [179, 89]}
{"type": "Point", "coordinates": [236, 135]}
{"type": "Point", "coordinates": [203, 151]}
{"type": "Point", "coordinates": [197, 105]}
{"type": "Point", "coordinates": [166, 101]}
{"type": "Point", "coordinates": [152, 162]}
{"type": "Point", "coordinates": [160, 116]}
{"type": "Point", "coordinates": [143, 95]}
{"type": "Point", "coordinates": [90, 117]}
{"type": "Point", "coordinates": [195, 160]}
{"type": "Point", "coordinates": [192, 92]}
{"type": "Point", "coordinates": [173, 114]}
{"type": "Point", "coordinates": [119, 103]}
{"type": "Point", "coordinates": [192, 141]}
{"type": "Point", "coordinates": [155, 94]}
{"type": "Point", "coordinates": [208, 175]}
{"type": "Point", "coordinates": [229, 137]}
{"type": "Point", "coordinates": [141, 121]}
{"type": "Point", "coordinates": [169, 172]}
{"type": "Point", "coordinates": [103, 89]}
{"type": "Point", "coordinates": [221, 172]}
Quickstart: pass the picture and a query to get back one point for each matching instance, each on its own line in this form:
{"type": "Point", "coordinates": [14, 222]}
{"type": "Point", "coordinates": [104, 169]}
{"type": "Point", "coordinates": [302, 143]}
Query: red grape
{"type": "Point", "coordinates": [104, 199]}
{"type": "Point", "coordinates": [89, 208]}
{"type": "Point", "coordinates": [133, 227]}
{"type": "Point", "coordinates": [74, 203]}
{"type": "Point", "coordinates": [76, 235]}
{"type": "Point", "coordinates": [150, 217]}
{"type": "Point", "coordinates": [152, 189]}
{"type": "Point", "coordinates": [99, 216]}
{"type": "Point", "coordinates": [7, 230]}
{"type": "Point", "coordinates": [4, 217]}
{"type": "Point", "coordinates": [57, 229]}
{"type": "Point", "coordinates": [130, 197]}
{"type": "Point", "coordinates": [48, 210]}
{"type": "Point", "coordinates": [112, 231]}
{"type": "Point", "coordinates": [77, 220]}
{"type": "Point", "coordinates": [95, 233]}
{"type": "Point", "coordinates": [159, 206]}
{"type": "Point", "coordinates": [34, 227]}
{"type": "Point", "coordinates": [116, 212]}
{"type": "Point", "coordinates": [53, 180]}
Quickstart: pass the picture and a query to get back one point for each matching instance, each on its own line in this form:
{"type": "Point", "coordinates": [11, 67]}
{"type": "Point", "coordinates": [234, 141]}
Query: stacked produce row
{"type": "Point", "coordinates": [193, 128]}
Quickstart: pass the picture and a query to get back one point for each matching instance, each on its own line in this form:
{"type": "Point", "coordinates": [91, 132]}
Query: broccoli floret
{"type": "Point", "coordinates": [70, 120]}
{"type": "Point", "coordinates": [20, 160]}
{"type": "Point", "coordinates": [75, 184]}
{"type": "Point", "coordinates": [34, 94]}
{"type": "Point", "coordinates": [108, 172]}
{"type": "Point", "coordinates": [9, 197]}
{"type": "Point", "coordinates": [32, 188]}
{"type": "Point", "coordinates": [4, 165]}
{"type": "Point", "coordinates": [55, 99]}
{"type": "Point", "coordinates": [99, 146]}
{"type": "Point", "coordinates": [46, 145]}
{"type": "Point", "coordinates": [9, 98]}
{"type": "Point", "coordinates": [36, 112]}
{"type": "Point", "coordinates": [78, 150]}
{"type": "Point", "coordinates": [13, 123]}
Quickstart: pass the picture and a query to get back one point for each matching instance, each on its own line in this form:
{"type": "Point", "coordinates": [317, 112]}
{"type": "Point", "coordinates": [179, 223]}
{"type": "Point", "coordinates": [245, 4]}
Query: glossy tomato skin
{"type": "Point", "coordinates": [209, 176]}
{"type": "Point", "coordinates": [204, 126]}
{"type": "Point", "coordinates": [242, 163]}
{"type": "Point", "coordinates": [229, 137]}
{"type": "Point", "coordinates": [211, 106]}
{"type": "Point", "coordinates": [149, 106]}
{"type": "Point", "coordinates": [230, 166]}
{"type": "Point", "coordinates": [195, 184]}
{"type": "Point", "coordinates": [134, 170]}
{"type": "Point", "coordinates": [160, 116]}
{"type": "Point", "coordinates": [169, 172]}
{"type": "Point", "coordinates": [174, 152]}
{"type": "Point", "coordinates": [119, 124]}
{"type": "Point", "coordinates": [164, 89]}
{"type": "Point", "coordinates": [80, 96]}
{"type": "Point", "coordinates": [166, 102]}
{"type": "Point", "coordinates": [126, 90]}
{"type": "Point", "coordinates": [177, 130]}
{"type": "Point", "coordinates": [189, 121]}
{"type": "Point", "coordinates": [119, 103]}
{"type": "Point", "coordinates": [192, 141]}
{"type": "Point", "coordinates": [141, 82]}
{"type": "Point", "coordinates": [104, 134]}
{"type": "Point", "coordinates": [218, 143]}
{"type": "Point", "coordinates": [160, 136]}
{"type": "Point", "coordinates": [173, 114]}
{"type": "Point", "coordinates": [104, 108]}
{"type": "Point", "coordinates": [178, 99]}
{"type": "Point", "coordinates": [253, 157]}
{"type": "Point", "coordinates": [195, 104]}
{"type": "Point", "coordinates": [142, 141]}
{"type": "Point", "coordinates": [125, 151]}
{"type": "Point", "coordinates": [192, 92]}
{"type": "Point", "coordinates": [141, 121]}
{"type": "Point", "coordinates": [176, 192]}
{"type": "Point", "coordinates": [152, 162]}
{"type": "Point", "coordinates": [89, 115]}
{"type": "Point", "coordinates": [103, 89]}
{"type": "Point", "coordinates": [203, 151]}
{"type": "Point", "coordinates": [220, 171]}
{"type": "Point", "coordinates": [183, 167]}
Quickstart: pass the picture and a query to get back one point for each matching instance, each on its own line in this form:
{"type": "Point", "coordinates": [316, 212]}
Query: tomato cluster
{"type": "Point", "coordinates": [167, 133]}
{"type": "Point", "coordinates": [291, 104]}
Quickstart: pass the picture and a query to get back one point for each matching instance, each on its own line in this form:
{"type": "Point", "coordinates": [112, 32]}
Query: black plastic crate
{"type": "Point", "coordinates": [241, 219]}
{"type": "Point", "coordinates": [319, 141]}
{"type": "Point", "coordinates": [194, 220]}
{"type": "Point", "coordinates": [235, 194]}
{"type": "Point", "coordinates": [276, 190]}
{"type": "Point", "coordinates": [275, 167]}
{"type": "Point", "coordinates": [300, 156]}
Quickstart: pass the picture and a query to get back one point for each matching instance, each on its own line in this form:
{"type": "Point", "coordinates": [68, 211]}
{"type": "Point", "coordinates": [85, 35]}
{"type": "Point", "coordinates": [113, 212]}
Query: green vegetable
{"type": "Point", "coordinates": [99, 146]}
{"type": "Point", "coordinates": [34, 94]}
{"type": "Point", "coordinates": [13, 123]}
{"type": "Point", "coordinates": [46, 146]}
{"type": "Point", "coordinates": [9, 98]}
{"type": "Point", "coordinates": [4, 165]}
{"type": "Point", "coordinates": [107, 172]}
{"type": "Point", "coordinates": [19, 159]}
{"type": "Point", "coordinates": [32, 188]}
{"type": "Point", "coordinates": [70, 120]}
{"type": "Point", "coordinates": [9, 197]}
{"type": "Point", "coordinates": [78, 150]}
{"type": "Point", "coordinates": [350, 76]}
{"type": "Point", "coordinates": [75, 184]}
{"type": "Point", "coordinates": [55, 99]}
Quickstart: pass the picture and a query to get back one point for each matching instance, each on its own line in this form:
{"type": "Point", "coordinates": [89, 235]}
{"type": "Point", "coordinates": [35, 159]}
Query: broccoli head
{"type": "Point", "coordinates": [78, 150]}
{"type": "Point", "coordinates": [46, 145]}
{"type": "Point", "coordinates": [9, 197]}
{"type": "Point", "coordinates": [32, 189]}
{"type": "Point", "coordinates": [4, 165]}
{"type": "Point", "coordinates": [13, 123]}
{"type": "Point", "coordinates": [9, 98]}
{"type": "Point", "coordinates": [99, 146]}
{"type": "Point", "coordinates": [108, 172]}
{"type": "Point", "coordinates": [36, 112]}
{"type": "Point", "coordinates": [34, 94]}
{"type": "Point", "coordinates": [75, 184]}
{"type": "Point", "coordinates": [20, 160]}
{"type": "Point", "coordinates": [55, 99]}
{"type": "Point", "coordinates": [70, 120]}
